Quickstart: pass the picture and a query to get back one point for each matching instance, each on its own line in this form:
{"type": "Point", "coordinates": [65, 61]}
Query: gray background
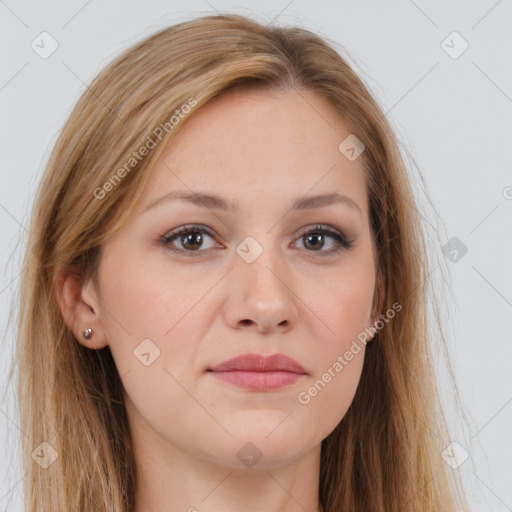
{"type": "Point", "coordinates": [453, 113]}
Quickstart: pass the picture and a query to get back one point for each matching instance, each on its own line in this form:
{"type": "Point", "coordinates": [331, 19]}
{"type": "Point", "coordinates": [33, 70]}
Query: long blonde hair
{"type": "Point", "coordinates": [385, 454]}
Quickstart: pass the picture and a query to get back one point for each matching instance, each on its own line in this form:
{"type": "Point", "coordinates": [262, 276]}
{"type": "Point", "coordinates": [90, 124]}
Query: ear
{"type": "Point", "coordinates": [80, 307]}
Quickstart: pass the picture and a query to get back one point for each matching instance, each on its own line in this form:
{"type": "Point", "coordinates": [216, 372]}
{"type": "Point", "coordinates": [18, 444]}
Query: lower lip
{"type": "Point", "coordinates": [259, 381]}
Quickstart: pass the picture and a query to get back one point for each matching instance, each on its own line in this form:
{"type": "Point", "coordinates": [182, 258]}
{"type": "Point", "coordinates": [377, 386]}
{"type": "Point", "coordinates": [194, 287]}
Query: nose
{"type": "Point", "coordinates": [261, 296]}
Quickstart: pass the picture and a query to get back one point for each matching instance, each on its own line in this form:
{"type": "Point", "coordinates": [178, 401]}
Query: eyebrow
{"type": "Point", "coordinates": [215, 202]}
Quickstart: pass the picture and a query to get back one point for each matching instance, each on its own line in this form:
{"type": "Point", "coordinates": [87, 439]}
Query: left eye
{"type": "Point", "coordinates": [320, 232]}
{"type": "Point", "coordinates": [191, 239]}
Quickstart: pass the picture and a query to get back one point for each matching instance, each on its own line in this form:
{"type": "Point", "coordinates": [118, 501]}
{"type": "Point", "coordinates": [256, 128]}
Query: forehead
{"type": "Point", "coordinates": [249, 144]}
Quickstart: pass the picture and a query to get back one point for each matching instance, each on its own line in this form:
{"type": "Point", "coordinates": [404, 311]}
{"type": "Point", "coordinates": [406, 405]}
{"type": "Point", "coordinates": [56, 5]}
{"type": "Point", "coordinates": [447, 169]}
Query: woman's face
{"type": "Point", "coordinates": [259, 278]}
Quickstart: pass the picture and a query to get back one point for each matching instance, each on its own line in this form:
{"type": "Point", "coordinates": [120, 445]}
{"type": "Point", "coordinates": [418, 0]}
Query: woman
{"type": "Point", "coordinates": [225, 298]}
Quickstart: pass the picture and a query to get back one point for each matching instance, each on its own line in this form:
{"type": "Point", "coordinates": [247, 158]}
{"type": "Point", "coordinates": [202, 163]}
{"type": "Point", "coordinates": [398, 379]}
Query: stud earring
{"type": "Point", "coordinates": [87, 334]}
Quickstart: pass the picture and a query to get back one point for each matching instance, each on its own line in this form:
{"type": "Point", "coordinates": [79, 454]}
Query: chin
{"type": "Point", "coordinates": [256, 448]}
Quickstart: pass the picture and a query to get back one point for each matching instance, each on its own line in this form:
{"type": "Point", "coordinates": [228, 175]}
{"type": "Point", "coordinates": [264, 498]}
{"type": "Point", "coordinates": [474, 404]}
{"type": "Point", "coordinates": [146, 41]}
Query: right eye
{"type": "Point", "coordinates": [190, 237]}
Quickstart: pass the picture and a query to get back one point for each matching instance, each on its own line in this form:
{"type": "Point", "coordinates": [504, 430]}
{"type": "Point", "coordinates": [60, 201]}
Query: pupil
{"type": "Point", "coordinates": [190, 237]}
{"type": "Point", "coordinates": [317, 237]}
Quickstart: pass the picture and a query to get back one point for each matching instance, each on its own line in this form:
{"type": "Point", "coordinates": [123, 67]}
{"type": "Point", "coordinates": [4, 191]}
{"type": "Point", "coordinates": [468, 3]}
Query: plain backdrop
{"type": "Point", "coordinates": [441, 70]}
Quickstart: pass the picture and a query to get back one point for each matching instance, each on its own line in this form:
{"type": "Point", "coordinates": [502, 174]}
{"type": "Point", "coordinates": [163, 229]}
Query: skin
{"type": "Point", "coordinates": [262, 150]}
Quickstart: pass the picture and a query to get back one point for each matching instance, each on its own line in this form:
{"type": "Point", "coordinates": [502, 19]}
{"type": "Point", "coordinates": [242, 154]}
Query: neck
{"type": "Point", "coordinates": [181, 482]}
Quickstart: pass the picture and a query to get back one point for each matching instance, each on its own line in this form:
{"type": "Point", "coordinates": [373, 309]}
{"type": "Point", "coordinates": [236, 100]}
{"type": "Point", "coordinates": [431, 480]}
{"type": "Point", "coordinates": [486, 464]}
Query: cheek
{"type": "Point", "coordinates": [145, 300]}
{"type": "Point", "coordinates": [137, 306]}
{"type": "Point", "coordinates": [152, 318]}
{"type": "Point", "coordinates": [328, 395]}
{"type": "Point", "coordinates": [345, 307]}
{"type": "Point", "coordinates": [339, 359]}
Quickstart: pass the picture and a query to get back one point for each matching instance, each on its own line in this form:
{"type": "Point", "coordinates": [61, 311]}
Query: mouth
{"type": "Point", "coordinates": [259, 372]}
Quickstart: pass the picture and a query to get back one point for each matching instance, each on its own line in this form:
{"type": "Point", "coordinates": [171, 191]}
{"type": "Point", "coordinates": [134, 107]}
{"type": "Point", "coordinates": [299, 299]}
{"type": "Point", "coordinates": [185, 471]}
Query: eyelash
{"type": "Point", "coordinates": [168, 238]}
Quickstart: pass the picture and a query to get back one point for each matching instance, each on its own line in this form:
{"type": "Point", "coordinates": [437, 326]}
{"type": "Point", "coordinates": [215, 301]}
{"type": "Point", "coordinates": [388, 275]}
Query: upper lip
{"type": "Point", "coordinates": [259, 363]}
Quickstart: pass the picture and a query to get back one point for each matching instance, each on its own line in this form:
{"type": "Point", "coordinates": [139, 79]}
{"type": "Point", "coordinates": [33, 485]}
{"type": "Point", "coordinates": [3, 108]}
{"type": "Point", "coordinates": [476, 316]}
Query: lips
{"type": "Point", "coordinates": [259, 363]}
{"type": "Point", "coordinates": [259, 373]}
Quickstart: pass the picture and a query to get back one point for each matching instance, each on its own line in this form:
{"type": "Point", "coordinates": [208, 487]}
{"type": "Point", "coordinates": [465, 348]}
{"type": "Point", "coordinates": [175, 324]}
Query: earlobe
{"type": "Point", "coordinates": [80, 309]}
